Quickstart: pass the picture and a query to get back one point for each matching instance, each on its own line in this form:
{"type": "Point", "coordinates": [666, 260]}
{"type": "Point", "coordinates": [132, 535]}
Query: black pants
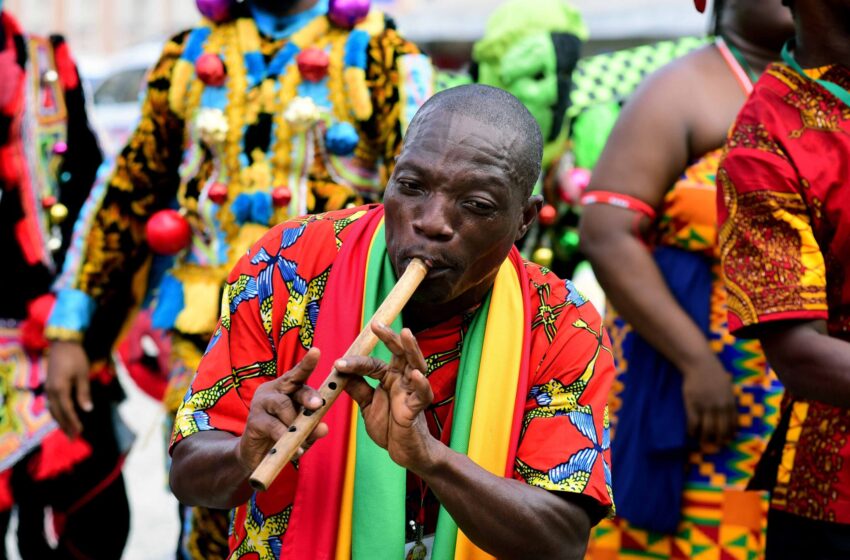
{"type": "Point", "coordinates": [798, 538]}
{"type": "Point", "coordinates": [90, 501]}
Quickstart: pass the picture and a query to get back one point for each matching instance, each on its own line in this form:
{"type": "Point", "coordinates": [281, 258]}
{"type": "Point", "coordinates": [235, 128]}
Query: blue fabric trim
{"type": "Point", "coordinates": [318, 92]}
{"type": "Point", "coordinates": [169, 303]}
{"type": "Point", "coordinates": [214, 98]}
{"type": "Point", "coordinates": [282, 58]}
{"type": "Point", "coordinates": [73, 310]}
{"type": "Point", "coordinates": [281, 27]}
{"type": "Point", "coordinates": [160, 265]}
{"type": "Point", "coordinates": [355, 48]}
{"type": "Point", "coordinates": [85, 219]}
{"type": "Point", "coordinates": [195, 44]}
{"type": "Point", "coordinates": [256, 68]}
{"type": "Point", "coordinates": [650, 452]}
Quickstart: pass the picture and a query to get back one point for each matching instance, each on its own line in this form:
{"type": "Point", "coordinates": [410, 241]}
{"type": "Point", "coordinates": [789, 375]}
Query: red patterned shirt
{"type": "Point", "coordinates": [258, 337]}
{"type": "Point", "coordinates": [785, 246]}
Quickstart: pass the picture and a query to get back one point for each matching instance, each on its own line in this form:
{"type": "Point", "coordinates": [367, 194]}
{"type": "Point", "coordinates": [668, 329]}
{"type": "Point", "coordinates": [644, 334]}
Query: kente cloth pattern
{"type": "Point", "coordinates": [716, 478]}
{"type": "Point", "coordinates": [716, 524]}
{"type": "Point", "coordinates": [785, 248]}
{"type": "Point", "coordinates": [193, 136]}
{"type": "Point", "coordinates": [570, 370]}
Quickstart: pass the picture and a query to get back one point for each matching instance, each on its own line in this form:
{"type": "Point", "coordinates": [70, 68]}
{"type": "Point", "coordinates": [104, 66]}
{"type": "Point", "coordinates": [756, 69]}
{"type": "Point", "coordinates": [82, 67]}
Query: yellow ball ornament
{"type": "Point", "coordinates": [58, 213]}
{"type": "Point", "coordinates": [543, 256]}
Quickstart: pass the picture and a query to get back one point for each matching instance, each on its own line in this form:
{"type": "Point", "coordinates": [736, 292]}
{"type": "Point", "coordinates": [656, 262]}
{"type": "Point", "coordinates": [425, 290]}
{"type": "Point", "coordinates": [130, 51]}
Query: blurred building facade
{"type": "Point", "coordinates": [105, 26]}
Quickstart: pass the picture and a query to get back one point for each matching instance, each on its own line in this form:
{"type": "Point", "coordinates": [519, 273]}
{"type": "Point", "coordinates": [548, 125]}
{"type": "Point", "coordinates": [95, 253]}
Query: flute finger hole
{"type": "Point", "coordinates": [292, 428]}
{"type": "Point", "coordinates": [332, 386]}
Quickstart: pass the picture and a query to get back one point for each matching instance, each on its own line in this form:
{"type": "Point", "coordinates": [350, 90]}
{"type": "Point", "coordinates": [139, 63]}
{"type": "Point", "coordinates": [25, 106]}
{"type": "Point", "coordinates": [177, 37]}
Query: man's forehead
{"type": "Point", "coordinates": [452, 129]}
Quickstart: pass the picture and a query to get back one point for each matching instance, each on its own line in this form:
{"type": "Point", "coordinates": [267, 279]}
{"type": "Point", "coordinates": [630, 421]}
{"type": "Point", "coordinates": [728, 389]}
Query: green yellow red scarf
{"type": "Point", "coordinates": [350, 500]}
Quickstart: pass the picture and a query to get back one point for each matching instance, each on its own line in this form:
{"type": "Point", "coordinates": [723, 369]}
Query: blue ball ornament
{"type": "Point", "coordinates": [341, 139]}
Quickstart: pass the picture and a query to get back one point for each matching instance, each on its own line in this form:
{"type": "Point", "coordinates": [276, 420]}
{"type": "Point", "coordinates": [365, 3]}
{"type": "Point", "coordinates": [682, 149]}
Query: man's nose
{"type": "Point", "coordinates": [433, 220]}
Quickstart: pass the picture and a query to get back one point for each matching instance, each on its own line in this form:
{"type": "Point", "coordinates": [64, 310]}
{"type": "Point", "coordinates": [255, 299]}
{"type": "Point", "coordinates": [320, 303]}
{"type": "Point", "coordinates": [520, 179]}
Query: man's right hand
{"type": "Point", "coordinates": [273, 409]}
{"type": "Point", "coordinates": [710, 401]}
{"type": "Point", "coordinates": [67, 373]}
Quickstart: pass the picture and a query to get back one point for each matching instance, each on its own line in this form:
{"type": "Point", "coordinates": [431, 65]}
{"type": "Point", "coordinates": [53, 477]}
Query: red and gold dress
{"type": "Point", "coordinates": [785, 247]}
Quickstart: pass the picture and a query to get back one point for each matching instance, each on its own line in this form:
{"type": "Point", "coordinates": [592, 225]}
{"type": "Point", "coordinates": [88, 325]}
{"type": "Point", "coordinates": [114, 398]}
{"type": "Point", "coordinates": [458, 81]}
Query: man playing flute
{"type": "Point", "coordinates": [481, 426]}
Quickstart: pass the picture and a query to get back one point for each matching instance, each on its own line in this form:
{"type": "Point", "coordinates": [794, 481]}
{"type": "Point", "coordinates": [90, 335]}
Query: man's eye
{"type": "Point", "coordinates": [409, 187]}
{"type": "Point", "coordinates": [479, 206]}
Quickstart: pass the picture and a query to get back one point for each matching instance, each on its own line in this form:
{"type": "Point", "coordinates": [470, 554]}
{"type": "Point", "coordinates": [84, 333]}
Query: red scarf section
{"type": "Point", "coordinates": [312, 530]}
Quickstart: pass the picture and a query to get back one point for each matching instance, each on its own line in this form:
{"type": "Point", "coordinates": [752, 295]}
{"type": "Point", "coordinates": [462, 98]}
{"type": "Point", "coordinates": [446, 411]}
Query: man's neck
{"type": "Point", "coordinates": [418, 315]}
{"type": "Point", "coordinates": [823, 35]}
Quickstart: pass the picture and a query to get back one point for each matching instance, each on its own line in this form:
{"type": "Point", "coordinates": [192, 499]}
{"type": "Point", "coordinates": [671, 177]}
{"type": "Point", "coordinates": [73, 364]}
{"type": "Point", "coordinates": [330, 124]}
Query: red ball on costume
{"type": "Point", "coordinates": [548, 215]}
{"type": "Point", "coordinates": [281, 196]}
{"type": "Point", "coordinates": [168, 232]}
{"type": "Point", "coordinates": [48, 201]}
{"type": "Point", "coordinates": [211, 70]}
{"type": "Point", "coordinates": [218, 193]}
{"type": "Point", "coordinates": [313, 64]}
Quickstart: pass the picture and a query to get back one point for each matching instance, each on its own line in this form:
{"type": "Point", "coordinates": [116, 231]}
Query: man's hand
{"type": "Point", "coordinates": [393, 411]}
{"type": "Point", "coordinates": [710, 402]}
{"type": "Point", "coordinates": [68, 372]}
{"type": "Point", "coordinates": [274, 407]}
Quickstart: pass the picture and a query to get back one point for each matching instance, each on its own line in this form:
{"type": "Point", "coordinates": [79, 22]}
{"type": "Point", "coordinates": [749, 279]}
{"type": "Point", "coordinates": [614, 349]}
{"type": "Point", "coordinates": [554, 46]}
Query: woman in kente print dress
{"type": "Point", "coordinates": [693, 407]}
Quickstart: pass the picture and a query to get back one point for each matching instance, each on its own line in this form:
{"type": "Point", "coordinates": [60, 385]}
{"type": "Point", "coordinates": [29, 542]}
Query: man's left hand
{"type": "Point", "coordinates": [393, 411]}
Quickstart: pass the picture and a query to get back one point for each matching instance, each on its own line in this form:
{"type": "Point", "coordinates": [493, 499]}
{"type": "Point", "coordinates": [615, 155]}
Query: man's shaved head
{"type": "Point", "coordinates": [513, 125]}
{"type": "Point", "coordinates": [460, 194]}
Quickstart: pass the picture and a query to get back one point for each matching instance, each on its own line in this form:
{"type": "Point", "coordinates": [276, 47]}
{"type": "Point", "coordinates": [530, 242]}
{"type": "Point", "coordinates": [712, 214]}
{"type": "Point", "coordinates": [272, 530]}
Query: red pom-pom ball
{"type": "Point", "coordinates": [211, 70]}
{"type": "Point", "coordinates": [548, 214]}
{"type": "Point", "coordinates": [218, 193]}
{"type": "Point", "coordinates": [312, 64]}
{"type": "Point", "coordinates": [281, 196]}
{"type": "Point", "coordinates": [168, 232]}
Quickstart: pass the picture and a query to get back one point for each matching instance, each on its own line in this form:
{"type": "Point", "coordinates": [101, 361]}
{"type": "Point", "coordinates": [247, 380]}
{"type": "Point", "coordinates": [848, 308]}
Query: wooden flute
{"type": "Point", "coordinates": [307, 420]}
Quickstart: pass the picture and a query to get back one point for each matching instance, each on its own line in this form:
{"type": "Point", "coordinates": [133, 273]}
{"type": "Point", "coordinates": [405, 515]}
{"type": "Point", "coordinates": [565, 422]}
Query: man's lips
{"type": "Point", "coordinates": [436, 267]}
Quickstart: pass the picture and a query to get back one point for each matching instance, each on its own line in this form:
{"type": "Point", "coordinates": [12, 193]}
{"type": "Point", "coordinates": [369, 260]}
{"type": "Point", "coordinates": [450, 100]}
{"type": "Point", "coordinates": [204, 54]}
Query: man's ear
{"type": "Point", "coordinates": [529, 214]}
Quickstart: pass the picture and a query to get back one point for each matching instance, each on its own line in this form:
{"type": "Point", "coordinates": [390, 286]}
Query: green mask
{"type": "Point", "coordinates": [530, 48]}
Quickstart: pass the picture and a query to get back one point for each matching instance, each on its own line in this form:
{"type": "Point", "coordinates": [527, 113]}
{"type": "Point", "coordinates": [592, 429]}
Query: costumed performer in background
{"type": "Point", "coordinates": [269, 109]}
{"type": "Point", "coordinates": [48, 159]}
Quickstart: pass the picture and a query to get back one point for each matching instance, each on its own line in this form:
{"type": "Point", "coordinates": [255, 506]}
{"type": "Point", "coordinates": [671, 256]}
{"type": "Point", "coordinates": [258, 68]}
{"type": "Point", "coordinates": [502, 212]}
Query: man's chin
{"type": "Point", "coordinates": [432, 292]}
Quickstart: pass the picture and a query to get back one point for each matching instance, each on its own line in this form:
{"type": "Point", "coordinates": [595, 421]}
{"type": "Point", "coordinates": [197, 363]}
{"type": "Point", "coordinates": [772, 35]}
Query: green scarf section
{"type": "Point", "coordinates": [379, 518]}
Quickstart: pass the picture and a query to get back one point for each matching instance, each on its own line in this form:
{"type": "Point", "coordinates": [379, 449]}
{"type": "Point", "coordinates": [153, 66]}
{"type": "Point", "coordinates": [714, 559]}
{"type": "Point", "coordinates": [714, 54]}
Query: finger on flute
{"type": "Point", "coordinates": [287, 446]}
